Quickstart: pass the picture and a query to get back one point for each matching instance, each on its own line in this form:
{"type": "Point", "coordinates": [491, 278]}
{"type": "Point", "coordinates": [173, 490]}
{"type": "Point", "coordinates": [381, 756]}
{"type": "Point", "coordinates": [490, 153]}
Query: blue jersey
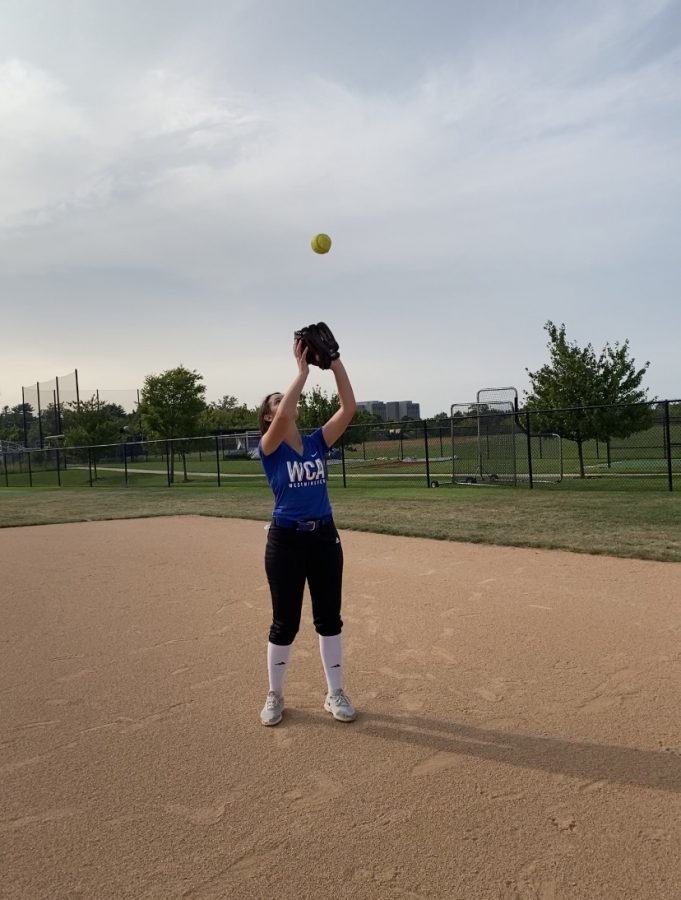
{"type": "Point", "coordinates": [299, 480]}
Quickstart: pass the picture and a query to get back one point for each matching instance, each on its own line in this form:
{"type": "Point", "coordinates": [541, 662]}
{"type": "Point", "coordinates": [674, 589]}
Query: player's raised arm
{"type": "Point", "coordinates": [340, 420]}
{"type": "Point", "coordinates": [282, 410]}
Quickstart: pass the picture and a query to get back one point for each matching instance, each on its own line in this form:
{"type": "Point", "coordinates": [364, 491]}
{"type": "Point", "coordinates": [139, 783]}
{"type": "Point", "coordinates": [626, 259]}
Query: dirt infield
{"type": "Point", "coordinates": [518, 736]}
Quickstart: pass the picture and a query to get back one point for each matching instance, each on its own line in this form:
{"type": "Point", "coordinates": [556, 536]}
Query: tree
{"type": "Point", "coordinates": [11, 433]}
{"type": "Point", "coordinates": [12, 424]}
{"type": "Point", "coordinates": [92, 423]}
{"type": "Point", "coordinates": [228, 414]}
{"type": "Point", "coordinates": [316, 408]}
{"type": "Point", "coordinates": [172, 406]}
{"type": "Point", "coordinates": [227, 402]}
{"type": "Point", "coordinates": [584, 396]}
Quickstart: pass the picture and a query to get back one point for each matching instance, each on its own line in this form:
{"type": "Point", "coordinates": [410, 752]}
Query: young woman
{"type": "Point", "coordinates": [302, 541]}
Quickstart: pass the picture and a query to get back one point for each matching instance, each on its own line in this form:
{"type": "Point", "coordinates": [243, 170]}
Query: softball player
{"type": "Point", "coordinates": [302, 540]}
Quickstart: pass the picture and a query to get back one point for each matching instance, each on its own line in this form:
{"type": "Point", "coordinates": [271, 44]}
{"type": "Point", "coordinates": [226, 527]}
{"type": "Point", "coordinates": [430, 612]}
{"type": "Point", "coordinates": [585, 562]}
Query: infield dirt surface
{"type": "Point", "coordinates": [518, 736]}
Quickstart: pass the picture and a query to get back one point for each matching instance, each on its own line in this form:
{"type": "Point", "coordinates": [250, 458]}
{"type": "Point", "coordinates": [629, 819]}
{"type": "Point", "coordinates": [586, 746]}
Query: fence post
{"type": "Point", "coordinates": [168, 463]}
{"type": "Point", "coordinates": [607, 449]}
{"type": "Point", "coordinates": [125, 462]}
{"type": "Point", "coordinates": [4, 465]}
{"type": "Point", "coordinates": [529, 449]}
{"type": "Point", "coordinates": [30, 469]}
{"type": "Point", "coordinates": [23, 408]}
{"type": "Point", "coordinates": [89, 463]}
{"type": "Point", "coordinates": [217, 457]}
{"type": "Point", "coordinates": [40, 416]}
{"type": "Point", "coordinates": [425, 437]}
{"type": "Point", "coordinates": [58, 468]}
{"type": "Point", "coordinates": [345, 480]}
{"type": "Point", "coordinates": [668, 445]}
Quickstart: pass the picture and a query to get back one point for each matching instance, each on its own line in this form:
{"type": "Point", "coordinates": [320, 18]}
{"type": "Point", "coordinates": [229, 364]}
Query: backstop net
{"type": "Point", "coordinates": [545, 449]}
{"type": "Point", "coordinates": [491, 443]}
{"type": "Point", "coordinates": [483, 443]}
{"type": "Point", "coordinates": [46, 402]}
{"type": "Point", "coordinates": [43, 408]}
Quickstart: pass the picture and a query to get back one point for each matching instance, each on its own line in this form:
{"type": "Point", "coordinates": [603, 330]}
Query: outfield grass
{"type": "Point", "coordinates": [620, 523]}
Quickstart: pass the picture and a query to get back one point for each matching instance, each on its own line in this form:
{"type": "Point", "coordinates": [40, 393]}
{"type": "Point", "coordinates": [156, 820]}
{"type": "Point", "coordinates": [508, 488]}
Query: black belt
{"type": "Point", "coordinates": [308, 525]}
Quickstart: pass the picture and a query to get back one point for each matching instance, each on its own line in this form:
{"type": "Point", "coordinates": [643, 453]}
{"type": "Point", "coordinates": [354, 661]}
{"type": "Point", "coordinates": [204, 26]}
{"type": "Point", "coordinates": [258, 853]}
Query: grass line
{"type": "Point", "coordinates": [639, 525]}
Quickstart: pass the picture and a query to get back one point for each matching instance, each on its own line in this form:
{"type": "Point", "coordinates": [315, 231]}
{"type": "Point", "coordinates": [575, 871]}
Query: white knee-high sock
{"type": "Point", "coordinates": [277, 665]}
{"type": "Point", "coordinates": [331, 650]}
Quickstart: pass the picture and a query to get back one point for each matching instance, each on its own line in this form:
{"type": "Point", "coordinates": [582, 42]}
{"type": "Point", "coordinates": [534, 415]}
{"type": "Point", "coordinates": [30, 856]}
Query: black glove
{"type": "Point", "coordinates": [322, 347]}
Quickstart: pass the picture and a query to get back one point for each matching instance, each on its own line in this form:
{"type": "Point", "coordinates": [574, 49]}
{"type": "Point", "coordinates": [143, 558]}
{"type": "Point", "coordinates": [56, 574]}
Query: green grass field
{"type": "Point", "coordinates": [614, 522]}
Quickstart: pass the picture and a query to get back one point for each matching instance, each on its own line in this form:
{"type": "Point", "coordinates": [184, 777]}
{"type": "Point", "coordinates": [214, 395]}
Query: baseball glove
{"type": "Point", "coordinates": [322, 347]}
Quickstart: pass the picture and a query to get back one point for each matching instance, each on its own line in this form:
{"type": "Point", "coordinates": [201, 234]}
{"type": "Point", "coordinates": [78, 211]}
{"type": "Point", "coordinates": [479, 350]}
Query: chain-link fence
{"type": "Point", "coordinates": [617, 446]}
{"type": "Point", "coordinates": [202, 460]}
{"type": "Point", "coordinates": [622, 447]}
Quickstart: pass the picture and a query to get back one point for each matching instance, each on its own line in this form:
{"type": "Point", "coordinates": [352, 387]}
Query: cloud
{"type": "Point", "coordinates": [529, 174]}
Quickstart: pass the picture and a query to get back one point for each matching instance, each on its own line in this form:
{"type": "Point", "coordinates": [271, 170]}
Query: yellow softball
{"type": "Point", "coordinates": [321, 243]}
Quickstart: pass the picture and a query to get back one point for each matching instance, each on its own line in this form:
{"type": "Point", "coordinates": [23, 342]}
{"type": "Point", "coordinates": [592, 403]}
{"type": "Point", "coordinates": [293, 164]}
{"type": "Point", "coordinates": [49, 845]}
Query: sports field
{"type": "Point", "coordinates": [517, 737]}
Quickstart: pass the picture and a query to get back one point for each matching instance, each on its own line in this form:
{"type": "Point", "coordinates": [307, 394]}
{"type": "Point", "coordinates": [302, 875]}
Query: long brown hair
{"type": "Point", "coordinates": [263, 425]}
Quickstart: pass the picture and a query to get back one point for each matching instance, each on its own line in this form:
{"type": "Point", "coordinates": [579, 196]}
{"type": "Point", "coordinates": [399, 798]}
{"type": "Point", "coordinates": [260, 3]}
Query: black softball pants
{"type": "Point", "coordinates": [292, 558]}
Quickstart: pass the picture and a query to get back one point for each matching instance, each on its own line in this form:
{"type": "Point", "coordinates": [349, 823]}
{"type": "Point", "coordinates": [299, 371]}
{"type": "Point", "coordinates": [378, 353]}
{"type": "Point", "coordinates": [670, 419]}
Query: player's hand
{"type": "Point", "coordinates": [300, 353]}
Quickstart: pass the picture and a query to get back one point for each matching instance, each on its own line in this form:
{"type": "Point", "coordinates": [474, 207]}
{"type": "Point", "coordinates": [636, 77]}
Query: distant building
{"type": "Point", "coordinates": [398, 409]}
{"type": "Point", "coordinates": [393, 411]}
{"type": "Point", "coordinates": [375, 407]}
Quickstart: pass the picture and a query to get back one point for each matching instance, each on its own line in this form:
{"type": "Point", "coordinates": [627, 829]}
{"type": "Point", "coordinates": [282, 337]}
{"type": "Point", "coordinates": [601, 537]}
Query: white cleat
{"type": "Point", "coordinates": [273, 710]}
{"type": "Point", "coordinates": [340, 707]}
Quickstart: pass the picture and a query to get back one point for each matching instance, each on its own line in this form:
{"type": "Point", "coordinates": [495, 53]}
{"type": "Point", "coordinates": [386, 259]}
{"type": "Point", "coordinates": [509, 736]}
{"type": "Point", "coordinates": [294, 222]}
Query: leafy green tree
{"type": "Point", "coordinates": [316, 408]}
{"type": "Point", "coordinates": [228, 401]}
{"type": "Point", "coordinates": [228, 414]}
{"type": "Point", "coordinates": [12, 424]}
{"type": "Point", "coordinates": [172, 403]}
{"type": "Point", "coordinates": [91, 423]}
{"type": "Point", "coordinates": [587, 395]}
{"type": "Point", "coordinates": [172, 406]}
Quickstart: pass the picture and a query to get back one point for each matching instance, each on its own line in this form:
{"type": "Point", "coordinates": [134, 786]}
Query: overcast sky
{"type": "Point", "coordinates": [481, 168]}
